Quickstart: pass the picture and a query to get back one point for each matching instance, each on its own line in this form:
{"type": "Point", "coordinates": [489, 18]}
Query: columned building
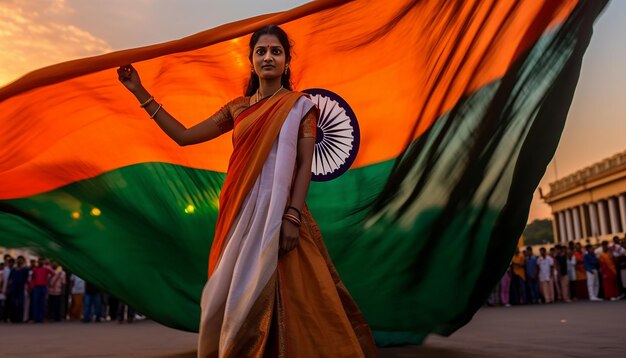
{"type": "Point", "coordinates": [591, 203]}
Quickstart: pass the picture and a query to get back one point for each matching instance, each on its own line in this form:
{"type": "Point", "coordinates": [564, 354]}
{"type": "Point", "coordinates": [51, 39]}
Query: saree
{"type": "Point", "coordinates": [255, 303]}
{"type": "Point", "coordinates": [608, 272]}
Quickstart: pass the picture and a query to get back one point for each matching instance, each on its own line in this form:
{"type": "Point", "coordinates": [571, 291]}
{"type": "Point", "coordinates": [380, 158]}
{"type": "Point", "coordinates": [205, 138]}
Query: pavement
{"type": "Point", "coordinates": [579, 329]}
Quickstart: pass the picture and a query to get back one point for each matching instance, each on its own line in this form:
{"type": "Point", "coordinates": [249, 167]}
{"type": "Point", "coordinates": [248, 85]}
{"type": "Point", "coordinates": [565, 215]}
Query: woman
{"type": "Point", "coordinates": [571, 271]}
{"type": "Point", "coordinates": [272, 290]}
{"type": "Point", "coordinates": [608, 272]}
{"type": "Point", "coordinates": [581, 275]}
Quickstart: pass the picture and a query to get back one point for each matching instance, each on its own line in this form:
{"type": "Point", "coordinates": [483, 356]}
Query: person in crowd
{"type": "Point", "coordinates": [124, 309]}
{"type": "Point", "coordinates": [92, 303]}
{"type": "Point", "coordinates": [555, 274]}
{"type": "Point", "coordinates": [619, 252]}
{"type": "Point", "coordinates": [56, 290]}
{"type": "Point", "coordinates": [518, 280]}
{"type": "Point", "coordinates": [2, 294]}
{"type": "Point", "coordinates": [40, 275]}
{"type": "Point", "coordinates": [571, 272]}
{"type": "Point", "coordinates": [532, 276]}
{"type": "Point", "coordinates": [561, 264]}
{"type": "Point", "coordinates": [608, 272]}
{"type": "Point", "coordinates": [9, 262]}
{"type": "Point", "coordinates": [17, 287]}
{"type": "Point", "coordinates": [78, 292]}
{"type": "Point", "coordinates": [591, 267]}
{"type": "Point", "coordinates": [581, 274]}
{"type": "Point", "coordinates": [113, 304]}
{"type": "Point", "coordinates": [67, 294]}
{"type": "Point", "coordinates": [505, 288]}
{"type": "Point", "coordinates": [494, 296]}
{"type": "Point", "coordinates": [545, 264]}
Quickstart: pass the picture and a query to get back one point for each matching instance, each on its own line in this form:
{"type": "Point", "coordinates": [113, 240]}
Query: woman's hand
{"type": "Point", "coordinates": [129, 78]}
{"type": "Point", "coordinates": [289, 237]}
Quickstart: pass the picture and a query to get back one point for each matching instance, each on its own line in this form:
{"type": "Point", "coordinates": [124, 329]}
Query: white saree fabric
{"type": "Point", "coordinates": [250, 256]}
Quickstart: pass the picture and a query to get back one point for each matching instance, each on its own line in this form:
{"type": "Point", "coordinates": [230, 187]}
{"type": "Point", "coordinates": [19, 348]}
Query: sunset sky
{"type": "Point", "coordinates": [37, 33]}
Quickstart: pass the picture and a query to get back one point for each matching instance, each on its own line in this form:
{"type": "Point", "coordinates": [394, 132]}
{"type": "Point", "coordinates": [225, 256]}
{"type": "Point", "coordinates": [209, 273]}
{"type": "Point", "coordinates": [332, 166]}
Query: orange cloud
{"type": "Point", "coordinates": [34, 34]}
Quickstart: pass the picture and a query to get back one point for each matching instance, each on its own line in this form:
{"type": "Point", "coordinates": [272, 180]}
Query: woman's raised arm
{"type": "Point", "coordinates": [201, 132]}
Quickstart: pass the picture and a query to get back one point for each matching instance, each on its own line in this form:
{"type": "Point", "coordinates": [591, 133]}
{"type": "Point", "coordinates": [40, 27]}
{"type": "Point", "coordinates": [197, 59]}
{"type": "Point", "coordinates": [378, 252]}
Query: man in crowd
{"type": "Point", "coordinates": [130, 312]}
{"type": "Point", "coordinates": [532, 276]}
{"type": "Point", "coordinates": [581, 273]}
{"type": "Point", "coordinates": [56, 288]}
{"type": "Point", "coordinates": [620, 260]}
{"type": "Point", "coordinates": [591, 267]}
{"type": "Point", "coordinates": [9, 262]}
{"type": "Point", "coordinates": [16, 290]}
{"type": "Point", "coordinates": [546, 266]}
{"type": "Point", "coordinates": [555, 275]}
{"type": "Point", "coordinates": [2, 295]}
{"type": "Point", "coordinates": [571, 271]}
{"type": "Point", "coordinates": [40, 275]}
{"type": "Point", "coordinates": [92, 303]}
{"type": "Point", "coordinates": [78, 292]}
{"type": "Point", "coordinates": [563, 278]}
{"type": "Point", "coordinates": [519, 279]}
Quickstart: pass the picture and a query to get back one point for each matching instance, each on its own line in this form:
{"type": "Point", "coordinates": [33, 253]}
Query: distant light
{"type": "Point", "coordinates": [96, 212]}
{"type": "Point", "coordinates": [190, 209]}
{"type": "Point", "coordinates": [563, 320]}
{"type": "Point", "coordinates": [76, 215]}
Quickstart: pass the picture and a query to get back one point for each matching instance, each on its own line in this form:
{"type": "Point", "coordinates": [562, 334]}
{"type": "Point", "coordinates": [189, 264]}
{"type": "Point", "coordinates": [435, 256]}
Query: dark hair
{"type": "Point", "coordinates": [253, 82]}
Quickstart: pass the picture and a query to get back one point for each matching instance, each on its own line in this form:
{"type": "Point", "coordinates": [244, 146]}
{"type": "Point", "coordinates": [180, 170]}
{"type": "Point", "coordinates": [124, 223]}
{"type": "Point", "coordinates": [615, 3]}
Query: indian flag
{"type": "Point", "coordinates": [438, 119]}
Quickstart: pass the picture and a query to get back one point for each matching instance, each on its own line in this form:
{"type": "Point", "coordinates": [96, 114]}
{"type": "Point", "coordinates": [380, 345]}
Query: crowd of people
{"type": "Point", "coordinates": [564, 273]}
{"type": "Point", "coordinates": [42, 290]}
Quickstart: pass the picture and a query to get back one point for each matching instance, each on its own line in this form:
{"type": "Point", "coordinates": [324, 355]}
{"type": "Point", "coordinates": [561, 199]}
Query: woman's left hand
{"type": "Point", "coordinates": [290, 234]}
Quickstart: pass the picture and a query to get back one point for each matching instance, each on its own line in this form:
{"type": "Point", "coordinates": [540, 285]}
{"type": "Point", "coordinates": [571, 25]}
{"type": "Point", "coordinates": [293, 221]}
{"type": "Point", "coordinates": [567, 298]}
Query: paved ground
{"type": "Point", "coordinates": [583, 329]}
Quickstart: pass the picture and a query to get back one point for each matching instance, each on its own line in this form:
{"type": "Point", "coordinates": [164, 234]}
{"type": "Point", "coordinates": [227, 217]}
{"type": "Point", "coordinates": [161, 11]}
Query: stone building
{"type": "Point", "coordinates": [591, 203]}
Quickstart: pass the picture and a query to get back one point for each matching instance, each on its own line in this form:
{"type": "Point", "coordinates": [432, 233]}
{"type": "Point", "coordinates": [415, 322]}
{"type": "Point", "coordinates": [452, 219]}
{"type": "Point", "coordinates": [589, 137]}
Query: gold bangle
{"type": "Point", "coordinates": [157, 111]}
{"type": "Point", "coordinates": [292, 219]}
{"type": "Point", "coordinates": [147, 102]}
{"type": "Point", "coordinates": [296, 210]}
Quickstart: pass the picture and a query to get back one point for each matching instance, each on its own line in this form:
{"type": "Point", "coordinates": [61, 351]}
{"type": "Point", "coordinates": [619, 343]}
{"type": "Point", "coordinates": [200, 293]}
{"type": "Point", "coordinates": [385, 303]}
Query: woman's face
{"type": "Point", "coordinates": [268, 58]}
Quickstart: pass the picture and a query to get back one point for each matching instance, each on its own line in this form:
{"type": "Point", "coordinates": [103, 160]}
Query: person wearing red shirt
{"type": "Point", "coordinates": [40, 275]}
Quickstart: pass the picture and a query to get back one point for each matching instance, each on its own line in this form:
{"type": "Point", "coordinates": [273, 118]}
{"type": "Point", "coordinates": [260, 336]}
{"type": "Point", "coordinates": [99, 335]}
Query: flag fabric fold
{"type": "Point", "coordinates": [455, 110]}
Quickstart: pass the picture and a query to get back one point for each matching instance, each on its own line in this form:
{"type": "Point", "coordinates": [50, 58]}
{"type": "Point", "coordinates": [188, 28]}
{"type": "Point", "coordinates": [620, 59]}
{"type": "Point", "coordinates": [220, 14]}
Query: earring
{"type": "Point", "coordinates": [286, 69]}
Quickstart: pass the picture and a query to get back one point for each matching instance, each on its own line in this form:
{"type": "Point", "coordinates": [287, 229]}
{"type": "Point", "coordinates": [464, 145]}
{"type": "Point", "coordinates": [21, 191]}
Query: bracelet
{"type": "Point", "coordinates": [297, 211]}
{"type": "Point", "coordinates": [292, 219]}
{"type": "Point", "coordinates": [157, 111]}
{"type": "Point", "coordinates": [147, 102]}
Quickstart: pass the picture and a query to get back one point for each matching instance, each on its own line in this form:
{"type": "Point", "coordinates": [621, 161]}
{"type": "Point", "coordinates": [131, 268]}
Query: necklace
{"type": "Point", "coordinates": [258, 94]}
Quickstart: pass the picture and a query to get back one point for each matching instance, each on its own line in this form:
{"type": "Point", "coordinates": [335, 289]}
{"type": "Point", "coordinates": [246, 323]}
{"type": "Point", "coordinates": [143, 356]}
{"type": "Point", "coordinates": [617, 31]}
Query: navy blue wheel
{"type": "Point", "coordinates": [338, 135]}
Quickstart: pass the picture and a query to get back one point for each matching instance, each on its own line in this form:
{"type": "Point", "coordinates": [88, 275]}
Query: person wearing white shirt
{"type": "Point", "coordinates": [78, 292]}
{"type": "Point", "coordinates": [546, 267]}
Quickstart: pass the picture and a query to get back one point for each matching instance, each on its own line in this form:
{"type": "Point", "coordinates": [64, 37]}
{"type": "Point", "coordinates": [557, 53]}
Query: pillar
{"type": "Point", "coordinates": [556, 234]}
{"type": "Point", "coordinates": [604, 220]}
{"type": "Point", "coordinates": [593, 218]}
{"type": "Point", "coordinates": [569, 225]}
{"type": "Point", "coordinates": [613, 215]}
{"type": "Point", "coordinates": [584, 222]}
{"type": "Point", "coordinates": [622, 209]}
{"type": "Point", "coordinates": [576, 217]}
{"type": "Point", "coordinates": [562, 233]}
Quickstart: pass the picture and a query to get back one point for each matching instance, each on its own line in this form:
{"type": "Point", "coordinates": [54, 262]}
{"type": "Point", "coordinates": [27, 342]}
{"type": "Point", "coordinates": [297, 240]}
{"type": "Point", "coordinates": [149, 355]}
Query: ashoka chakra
{"type": "Point", "coordinates": [338, 135]}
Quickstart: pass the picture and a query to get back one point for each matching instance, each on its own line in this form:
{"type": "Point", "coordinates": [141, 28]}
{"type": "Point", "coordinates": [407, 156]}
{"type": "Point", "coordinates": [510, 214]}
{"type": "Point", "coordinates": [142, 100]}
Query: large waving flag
{"type": "Point", "coordinates": [438, 119]}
